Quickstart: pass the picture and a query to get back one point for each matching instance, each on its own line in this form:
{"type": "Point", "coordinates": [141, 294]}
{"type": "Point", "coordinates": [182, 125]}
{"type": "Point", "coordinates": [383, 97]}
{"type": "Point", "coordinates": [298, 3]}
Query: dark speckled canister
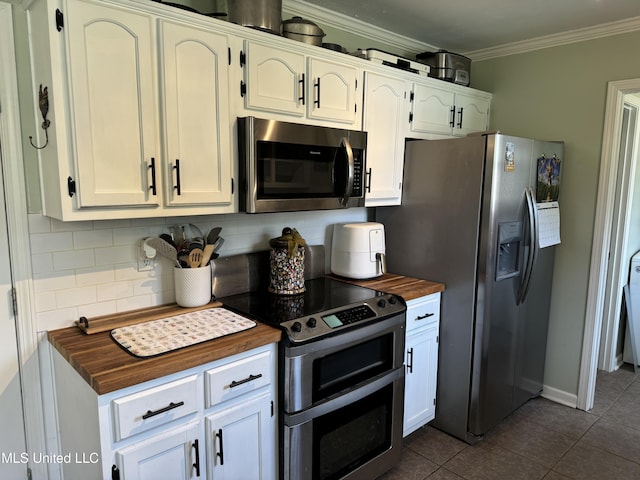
{"type": "Point", "coordinates": [286, 267]}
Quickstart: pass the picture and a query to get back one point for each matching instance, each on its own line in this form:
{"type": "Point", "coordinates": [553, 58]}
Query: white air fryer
{"type": "Point", "coordinates": [358, 250]}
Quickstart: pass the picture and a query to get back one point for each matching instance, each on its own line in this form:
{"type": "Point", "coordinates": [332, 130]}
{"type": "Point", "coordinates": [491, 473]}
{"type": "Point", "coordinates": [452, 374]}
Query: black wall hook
{"type": "Point", "coordinates": [43, 104]}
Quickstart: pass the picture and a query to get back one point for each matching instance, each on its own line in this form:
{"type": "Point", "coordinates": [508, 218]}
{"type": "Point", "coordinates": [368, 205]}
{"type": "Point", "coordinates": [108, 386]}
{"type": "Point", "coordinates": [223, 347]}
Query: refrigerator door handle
{"type": "Point", "coordinates": [533, 246]}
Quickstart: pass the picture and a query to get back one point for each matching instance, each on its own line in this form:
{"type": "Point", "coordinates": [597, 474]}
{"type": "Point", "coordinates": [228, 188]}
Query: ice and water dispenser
{"type": "Point", "coordinates": [509, 238]}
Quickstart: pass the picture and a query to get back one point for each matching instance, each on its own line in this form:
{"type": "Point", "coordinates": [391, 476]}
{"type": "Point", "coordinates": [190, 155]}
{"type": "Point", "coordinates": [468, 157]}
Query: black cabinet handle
{"type": "Point", "coordinates": [171, 406]}
{"type": "Point", "coordinates": [460, 119]}
{"type": "Point", "coordinates": [152, 167]}
{"type": "Point", "coordinates": [452, 122]}
{"type": "Point", "coordinates": [220, 453]}
{"type": "Point", "coordinates": [196, 465]}
{"type": "Point", "coordinates": [410, 360]}
{"type": "Point", "coordinates": [250, 378]}
{"type": "Point", "coordinates": [426, 315]}
{"type": "Point", "coordinates": [176, 167]}
{"type": "Point", "coordinates": [316, 85]}
{"type": "Point", "coordinates": [301, 81]}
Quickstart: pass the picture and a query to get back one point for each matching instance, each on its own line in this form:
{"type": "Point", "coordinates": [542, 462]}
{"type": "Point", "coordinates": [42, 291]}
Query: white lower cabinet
{"type": "Point", "coordinates": [214, 421]}
{"type": "Point", "coordinates": [240, 442]}
{"type": "Point", "coordinates": [423, 326]}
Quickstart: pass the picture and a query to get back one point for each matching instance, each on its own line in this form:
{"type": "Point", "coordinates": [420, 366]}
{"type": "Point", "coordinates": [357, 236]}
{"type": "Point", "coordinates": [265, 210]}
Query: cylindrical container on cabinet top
{"type": "Point", "coordinates": [286, 263]}
{"type": "Point", "coordinates": [192, 286]}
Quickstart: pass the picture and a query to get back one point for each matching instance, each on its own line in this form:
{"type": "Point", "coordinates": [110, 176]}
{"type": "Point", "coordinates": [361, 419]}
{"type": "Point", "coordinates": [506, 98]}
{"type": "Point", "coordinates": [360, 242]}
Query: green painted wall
{"type": "Point", "coordinates": [560, 94]}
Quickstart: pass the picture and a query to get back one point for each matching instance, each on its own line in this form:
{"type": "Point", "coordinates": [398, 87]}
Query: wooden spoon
{"type": "Point", "coordinates": [195, 257]}
{"type": "Point", "coordinates": [206, 256]}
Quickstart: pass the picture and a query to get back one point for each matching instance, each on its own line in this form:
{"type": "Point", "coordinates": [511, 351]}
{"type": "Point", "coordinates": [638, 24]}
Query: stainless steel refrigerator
{"type": "Point", "coordinates": [469, 218]}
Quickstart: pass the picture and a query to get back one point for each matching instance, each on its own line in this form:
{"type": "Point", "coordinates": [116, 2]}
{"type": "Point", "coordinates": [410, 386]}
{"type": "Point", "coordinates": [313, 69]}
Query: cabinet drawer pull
{"type": "Point", "coordinates": [410, 360]}
{"type": "Point", "coordinates": [250, 378]}
{"type": "Point", "coordinates": [171, 406]}
{"type": "Point", "coordinates": [177, 187]}
{"type": "Point", "coordinates": [316, 102]}
{"type": "Point", "coordinates": [452, 122]}
{"type": "Point", "coordinates": [196, 465]}
{"type": "Point", "coordinates": [220, 453]}
{"type": "Point", "coordinates": [460, 121]}
{"type": "Point", "coordinates": [152, 167]}
{"type": "Point", "coordinates": [426, 315]}
{"type": "Point", "coordinates": [301, 82]}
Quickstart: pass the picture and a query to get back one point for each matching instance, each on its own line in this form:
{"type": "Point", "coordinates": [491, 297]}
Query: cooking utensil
{"type": "Point", "coordinates": [213, 235]}
{"type": "Point", "coordinates": [261, 14]}
{"type": "Point", "coordinates": [165, 249]}
{"type": "Point", "coordinates": [218, 244]}
{"type": "Point", "coordinates": [195, 257]}
{"type": "Point", "coordinates": [302, 30]}
{"type": "Point", "coordinates": [206, 254]}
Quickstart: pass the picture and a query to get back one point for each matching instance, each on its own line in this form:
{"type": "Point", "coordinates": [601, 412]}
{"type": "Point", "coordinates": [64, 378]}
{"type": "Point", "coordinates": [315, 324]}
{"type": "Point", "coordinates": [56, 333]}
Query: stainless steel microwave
{"type": "Point", "coordinates": [288, 167]}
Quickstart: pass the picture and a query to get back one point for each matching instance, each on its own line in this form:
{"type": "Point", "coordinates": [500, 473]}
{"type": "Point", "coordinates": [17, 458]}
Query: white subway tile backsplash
{"type": "Point", "coordinates": [93, 238]}
{"type": "Point", "coordinates": [90, 268]}
{"type": "Point", "coordinates": [52, 281]}
{"type": "Point", "coordinates": [94, 275]}
{"type": "Point", "coordinates": [74, 297]}
{"type": "Point", "coordinates": [68, 260]}
{"type": "Point", "coordinates": [115, 290]}
{"type": "Point", "coordinates": [51, 242]}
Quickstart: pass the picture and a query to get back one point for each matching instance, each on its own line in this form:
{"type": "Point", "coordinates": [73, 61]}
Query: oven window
{"type": "Point", "coordinates": [346, 368]}
{"type": "Point", "coordinates": [287, 170]}
{"type": "Point", "coordinates": [352, 436]}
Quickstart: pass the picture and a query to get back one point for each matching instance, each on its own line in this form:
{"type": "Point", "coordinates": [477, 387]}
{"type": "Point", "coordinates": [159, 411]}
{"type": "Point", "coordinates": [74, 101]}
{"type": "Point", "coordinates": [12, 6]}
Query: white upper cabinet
{"type": "Point", "coordinates": [113, 105]}
{"type": "Point", "coordinates": [333, 89]}
{"type": "Point", "coordinates": [140, 111]}
{"type": "Point", "coordinates": [274, 80]}
{"type": "Point", "coordinates": [385, 121]}
{"type": "Point", "coordinates": [197, 131]}
{"type": "Point", "coordinates": [448, 109]}
{"type": "Point", "coordinates": [291, 85]}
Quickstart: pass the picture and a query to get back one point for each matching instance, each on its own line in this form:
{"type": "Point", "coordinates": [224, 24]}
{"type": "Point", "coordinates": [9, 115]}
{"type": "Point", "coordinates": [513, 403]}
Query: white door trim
{"type": "Point", "coordinates": [602, 238]}
{"type": "Point", "coordinates": [18, 227]}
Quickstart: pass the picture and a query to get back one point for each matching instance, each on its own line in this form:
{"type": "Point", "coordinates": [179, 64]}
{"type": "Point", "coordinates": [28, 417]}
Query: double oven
{"type": "Point", "coordinates": [341, 377]}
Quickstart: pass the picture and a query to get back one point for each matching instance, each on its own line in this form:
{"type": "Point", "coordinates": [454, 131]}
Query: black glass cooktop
{"type": "Point", "coordinates": [321, 294]}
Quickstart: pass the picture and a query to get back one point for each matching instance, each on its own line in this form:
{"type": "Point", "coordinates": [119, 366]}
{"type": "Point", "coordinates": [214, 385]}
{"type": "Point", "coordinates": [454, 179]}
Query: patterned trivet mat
{"type": "Point", "coordinates": [156, 337]}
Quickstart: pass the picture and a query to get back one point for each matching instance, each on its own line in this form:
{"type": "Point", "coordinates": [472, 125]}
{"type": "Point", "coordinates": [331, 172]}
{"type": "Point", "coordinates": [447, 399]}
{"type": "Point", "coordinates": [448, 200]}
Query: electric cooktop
{"type": "Point", "coordinates": [326, 307]}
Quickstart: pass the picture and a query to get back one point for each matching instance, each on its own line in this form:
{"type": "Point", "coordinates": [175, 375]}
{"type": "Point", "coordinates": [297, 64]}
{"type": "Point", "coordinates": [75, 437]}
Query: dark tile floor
{"type": "Point", "coordinates": [541, 440]}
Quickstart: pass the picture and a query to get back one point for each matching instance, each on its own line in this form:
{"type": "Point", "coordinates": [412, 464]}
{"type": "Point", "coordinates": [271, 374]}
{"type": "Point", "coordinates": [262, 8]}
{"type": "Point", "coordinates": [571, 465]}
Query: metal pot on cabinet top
{"type": "Point", "coordinates": [260, 14]}
{"type": "Point", "coordinates": [302, 30]}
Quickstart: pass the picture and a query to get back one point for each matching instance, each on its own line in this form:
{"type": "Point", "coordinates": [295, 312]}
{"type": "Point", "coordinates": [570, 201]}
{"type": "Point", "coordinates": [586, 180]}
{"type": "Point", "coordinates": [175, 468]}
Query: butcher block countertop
{"type": "Point", "coordinates": [107, 367]}
{"type": "Point", "coordinates": [406, 287]}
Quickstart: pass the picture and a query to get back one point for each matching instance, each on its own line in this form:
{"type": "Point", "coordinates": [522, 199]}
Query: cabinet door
{"type": "Point", "coordinates": [332, 91]}
{"type": "Point", "coordinates": [196, 115]}
{"type": "Point", "coordinates": [241, 441]}
{"type": "Point", "coordinates": [113, 104]}
{"type": "Point", "coordinates": [472, 114]}
{"type": "Point", "coordinates": [385, 120]}
{"type": "Point", "coordinates": [432, 110]}
{"type": "Point", "coordinates": [174, 454]}
{"type": "Point", "coordinates": [275, 80]}
{"type": "Point", "coordinates": [421, 377]}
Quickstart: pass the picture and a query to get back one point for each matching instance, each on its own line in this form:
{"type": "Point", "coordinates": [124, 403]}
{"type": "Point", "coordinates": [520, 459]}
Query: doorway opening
{"type": "Point", "coordinates": [617, 168]}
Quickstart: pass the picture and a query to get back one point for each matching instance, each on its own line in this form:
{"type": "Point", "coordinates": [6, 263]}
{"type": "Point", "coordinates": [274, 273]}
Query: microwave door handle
{"type": "Point", "coordinates": [350, 172]}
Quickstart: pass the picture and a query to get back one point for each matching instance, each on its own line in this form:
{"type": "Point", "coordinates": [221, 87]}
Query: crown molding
{"type": "Point", "coordinates": [354, 26]}
{"type": "Point", "coordinates": [572, 36]}
{"type": "Point", "coordinates": [358, 27]}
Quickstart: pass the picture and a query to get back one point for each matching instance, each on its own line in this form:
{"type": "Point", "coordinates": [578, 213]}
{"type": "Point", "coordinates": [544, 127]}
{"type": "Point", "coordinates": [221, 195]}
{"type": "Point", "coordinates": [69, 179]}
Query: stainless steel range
{"type": "Point", "coordinates": [341, 372]}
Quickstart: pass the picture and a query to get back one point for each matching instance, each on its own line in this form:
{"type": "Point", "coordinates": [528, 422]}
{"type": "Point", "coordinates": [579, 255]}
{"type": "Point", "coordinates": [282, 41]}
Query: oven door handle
{"type": "Point", "coordinates": [344, 199]}
{"type": "Point", "coordinates": [345, 399]}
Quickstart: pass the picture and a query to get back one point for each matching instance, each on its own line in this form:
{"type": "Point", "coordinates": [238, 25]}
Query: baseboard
{"type": "Point", "coordinates": [560, 396]}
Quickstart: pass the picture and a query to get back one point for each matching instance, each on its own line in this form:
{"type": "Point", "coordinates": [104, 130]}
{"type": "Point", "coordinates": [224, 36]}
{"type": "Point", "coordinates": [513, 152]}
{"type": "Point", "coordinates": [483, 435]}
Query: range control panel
{"type": "Point", "coordinates": [330, 321]}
